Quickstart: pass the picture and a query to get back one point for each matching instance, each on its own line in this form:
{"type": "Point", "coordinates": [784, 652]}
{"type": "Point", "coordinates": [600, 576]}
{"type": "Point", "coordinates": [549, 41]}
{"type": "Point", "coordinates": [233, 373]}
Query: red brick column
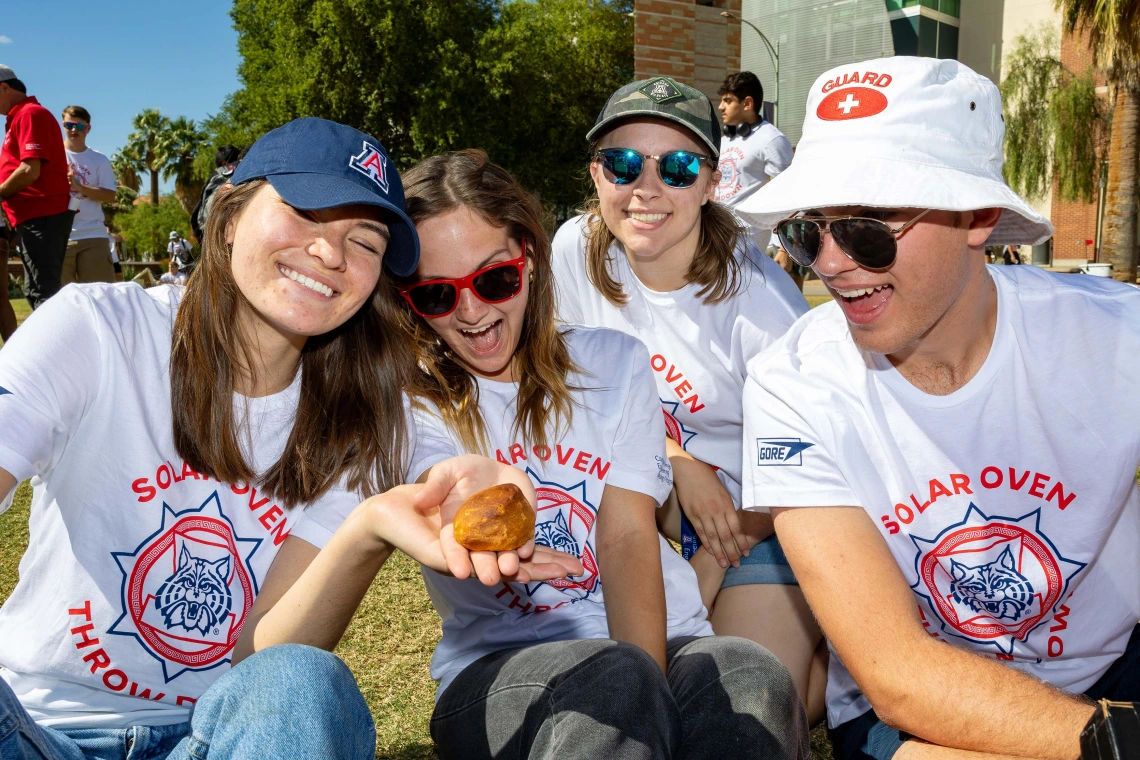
{"type": "Point", "coordinates": [686, 40]}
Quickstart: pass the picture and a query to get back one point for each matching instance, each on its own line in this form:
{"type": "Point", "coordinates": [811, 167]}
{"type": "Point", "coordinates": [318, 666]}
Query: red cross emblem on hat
{"type": "Point", "coordinates": [851, 103]}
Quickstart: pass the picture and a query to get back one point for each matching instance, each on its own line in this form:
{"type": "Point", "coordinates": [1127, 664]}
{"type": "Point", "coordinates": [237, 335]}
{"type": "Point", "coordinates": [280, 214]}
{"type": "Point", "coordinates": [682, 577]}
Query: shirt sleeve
{"type": "Point", "coordinates": [319, 521]}
{"type": "Point", "coordinates": [49, 377]}
{"type": "Point", "coordinates": [788, 460]}
{"type": "Point", "coordinates": [105, 176]}
{"type": "Point", "coordinates": [432, 442]}
{"type": "Point", "coordinates": [566, 253]}
{"type": "Point", "coordinates": [638, 461]}
{"type": "Point", "coordinates": [777, 155]}
{"type": "Point", "coordinates": [34, 135]}
{"type": "Point", "coordinates": [769, 311]}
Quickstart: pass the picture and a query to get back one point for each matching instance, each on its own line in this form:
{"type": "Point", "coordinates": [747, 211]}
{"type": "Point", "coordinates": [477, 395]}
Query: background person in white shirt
{"type": "Point", "coordinates": [181, 249]}
{"type": "Point", "coordinates": [949, 449]}
{"type": "Point", "coordinates": [752, 150]}
{"type": "Point", "coordinates": [88, 257]}
{"type": "Point", "coordinates": [618, 660]}
{"type": "Point", "coordinates": [655, 257]}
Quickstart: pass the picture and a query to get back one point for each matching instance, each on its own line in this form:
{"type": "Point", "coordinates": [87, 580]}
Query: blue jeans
{"type": "Point", "coordinates": [286, 701]}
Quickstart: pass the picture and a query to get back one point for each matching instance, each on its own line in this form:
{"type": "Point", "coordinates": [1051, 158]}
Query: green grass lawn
{"type": "Point", "coordinates": [388, 646]}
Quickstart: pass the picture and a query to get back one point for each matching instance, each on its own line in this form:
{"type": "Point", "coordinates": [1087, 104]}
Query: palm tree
{"type": "Point", "coordinates": [127, 166]}
{"type": "Point", "coordinates": [150, 127]}
{"type": "Point", "coordinates": [177, 149]}
{"type": "Point", "coordinates": [1113, 28]}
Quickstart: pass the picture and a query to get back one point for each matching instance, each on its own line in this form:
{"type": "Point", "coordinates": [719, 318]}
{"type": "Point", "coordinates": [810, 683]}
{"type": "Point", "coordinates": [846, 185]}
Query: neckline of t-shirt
{"type": "Point", "coordinates": [683, 293]}
{"type": "Point", "coordinates": [293, 390]}
{"type": "Point", "coordinates": [999, 350]}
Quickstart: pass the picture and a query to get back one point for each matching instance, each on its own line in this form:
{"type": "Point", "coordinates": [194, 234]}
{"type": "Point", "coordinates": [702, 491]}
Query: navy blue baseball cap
{"type": "Point", "coordinates": [317, 163]}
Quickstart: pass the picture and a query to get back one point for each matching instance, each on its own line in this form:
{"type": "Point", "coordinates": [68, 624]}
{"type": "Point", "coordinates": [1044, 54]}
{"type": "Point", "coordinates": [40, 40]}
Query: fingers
{"type": "Point", "coordinates": [710, 539]}
{"type": "Point", "coordinates": [736, 527]}
{"type": "Point", "coordinates": [727, 542]}
{"type": "Point", "coordinates": [570, 564]}
{"type": "Point", "coordinates": [459, 560]}
{"type": "Point", "coordinates": [486, 566]}
{"type": "Point", "coordinates": [439, 483]}
{"type": "Point", "coordinates": [508, 563]}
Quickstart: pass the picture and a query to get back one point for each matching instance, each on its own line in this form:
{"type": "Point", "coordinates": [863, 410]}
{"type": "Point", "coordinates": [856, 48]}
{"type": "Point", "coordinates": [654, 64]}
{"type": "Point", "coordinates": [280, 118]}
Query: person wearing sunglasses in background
{"type": "Point", "coordinates": [655, 257]}
{"type": "Point", "coordinates": [618, 660]}
{"type": "Point", "coordinates": [949, 449]}
{"type": "Point", "coordinates": [88, 257]}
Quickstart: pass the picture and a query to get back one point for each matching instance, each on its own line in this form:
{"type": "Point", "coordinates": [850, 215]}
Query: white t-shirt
{"type": "Point", "coordinates": [616, 437]}
{"type": "Point", "coordinates": [1010, 505]}
{"type": "Point", "coordinates": [698, 351]}
{"type": "Point", "coordinates": [93, 169]}
{"type": "Point", "coordinates": [747, 164]}
{"type": "Point", "coordinates": [139, 573]}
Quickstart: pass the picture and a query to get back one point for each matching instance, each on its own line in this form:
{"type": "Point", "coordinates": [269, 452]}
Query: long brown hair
{"type": "Point", "coordinates": [468, 179]}
{"type": "Point", "coordinates": [349, 422]}
{"type": "Point", "coordinates": [715, 267]}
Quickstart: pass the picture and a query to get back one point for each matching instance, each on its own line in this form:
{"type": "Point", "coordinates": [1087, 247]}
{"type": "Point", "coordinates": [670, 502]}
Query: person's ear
{"type": "Point", "coordinates": [710, 191]}
{"type": "Point", "coordinates": [748, 104]}
{"type": "Point", "coordinates": [596, 174]}
{"type": "Point", "coordinates": [981, 224]}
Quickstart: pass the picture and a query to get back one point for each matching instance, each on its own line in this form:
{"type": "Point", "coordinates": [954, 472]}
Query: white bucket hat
{"type": "Point", "coordinates": [900, 133]}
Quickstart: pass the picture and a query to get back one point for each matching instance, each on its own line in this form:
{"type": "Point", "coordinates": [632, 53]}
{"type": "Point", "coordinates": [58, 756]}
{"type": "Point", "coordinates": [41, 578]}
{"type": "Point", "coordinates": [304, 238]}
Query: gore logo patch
{"type": "Point", "coordinates": [851, 103]}
{"type": "Point", "coordinates": [660, 90]}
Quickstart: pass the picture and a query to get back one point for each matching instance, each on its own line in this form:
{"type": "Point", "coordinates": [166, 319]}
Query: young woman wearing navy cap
{"type": "Point", "coordinates": [183, 440]}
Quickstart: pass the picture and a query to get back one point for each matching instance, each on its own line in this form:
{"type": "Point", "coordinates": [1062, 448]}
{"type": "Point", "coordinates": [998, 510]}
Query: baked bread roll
{"type": "Point", "coordinates": [497, 519]}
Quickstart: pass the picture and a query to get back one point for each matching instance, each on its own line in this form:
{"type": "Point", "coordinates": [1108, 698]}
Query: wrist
{"type": "Point", "coordinates": [366, 523]}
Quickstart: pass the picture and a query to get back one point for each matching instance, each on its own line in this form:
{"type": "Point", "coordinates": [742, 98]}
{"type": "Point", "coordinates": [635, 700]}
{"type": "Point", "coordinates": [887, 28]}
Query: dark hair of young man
{"type": "Point", "coordinates": [79, 112]}
{"type": "Point", "coordinates": [744, 84]}
{"type": "Point", "coordinates": [227, 154]}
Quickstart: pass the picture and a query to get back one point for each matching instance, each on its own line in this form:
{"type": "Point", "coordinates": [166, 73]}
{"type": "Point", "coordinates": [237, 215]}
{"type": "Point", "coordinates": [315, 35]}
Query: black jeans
{"type": "Point", "coordinates": [724, 697]}
{"type": "Point", "coordinates": [44, 246]}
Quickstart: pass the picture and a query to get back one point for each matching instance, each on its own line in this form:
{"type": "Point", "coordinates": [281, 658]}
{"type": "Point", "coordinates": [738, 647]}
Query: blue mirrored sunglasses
{"type": "Point", "coordinates": [678, 168]}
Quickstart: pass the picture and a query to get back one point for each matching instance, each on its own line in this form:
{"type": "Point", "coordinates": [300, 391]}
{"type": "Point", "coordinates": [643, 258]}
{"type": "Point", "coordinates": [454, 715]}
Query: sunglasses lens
{"type": "Point", "coordinates": [433, 299]}
{"type": "Point", "coordinates": [801, 239]}
{"type": "Point", "coordinates": [868, 242]}
{"type": "Point", "coordinates": [680, 168]}
{"type": "Point", "coordinates": [622, 166]}
{"type": "Point", "coordinates": [498, 284]}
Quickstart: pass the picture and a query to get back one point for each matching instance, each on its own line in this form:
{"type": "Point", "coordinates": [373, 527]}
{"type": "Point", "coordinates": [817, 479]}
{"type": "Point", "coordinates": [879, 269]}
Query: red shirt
{"type": "Point", "coordinates": [32, 132]}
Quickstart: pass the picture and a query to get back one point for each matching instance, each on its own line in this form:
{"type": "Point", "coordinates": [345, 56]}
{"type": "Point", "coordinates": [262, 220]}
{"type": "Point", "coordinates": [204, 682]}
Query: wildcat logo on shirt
{"type": "Point", "coordinates": [729, 184]}
{"type": "Point", "coordinates": [674, 428]}
{"type": "Point", "coordinates": [188, 588]}
{"type": "Point", "coordinates": [992, 580]}
{"type": "Point", "coordinates": [564, 522]}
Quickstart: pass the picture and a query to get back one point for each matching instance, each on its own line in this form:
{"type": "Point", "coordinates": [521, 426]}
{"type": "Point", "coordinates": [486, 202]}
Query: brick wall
{"type": "Point", "coordinates": [1074, 221]}
{"type": "Point", "coordinates": [687, 40]}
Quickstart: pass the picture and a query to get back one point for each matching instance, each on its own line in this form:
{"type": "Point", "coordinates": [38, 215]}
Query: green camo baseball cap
{"type": "Point", "coordinates": [663, 98]}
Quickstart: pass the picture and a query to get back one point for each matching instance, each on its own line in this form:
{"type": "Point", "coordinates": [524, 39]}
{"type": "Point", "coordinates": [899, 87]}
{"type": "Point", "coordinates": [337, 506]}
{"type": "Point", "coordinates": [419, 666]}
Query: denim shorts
{"type": "Point", "coordinates": [765, 563]}
{"type": "Point", "coordinates": [867, 737]}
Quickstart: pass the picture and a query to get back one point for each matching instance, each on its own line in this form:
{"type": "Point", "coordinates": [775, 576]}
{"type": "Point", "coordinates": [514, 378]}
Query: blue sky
{"type": "Point", "coordinates": [117, 57]}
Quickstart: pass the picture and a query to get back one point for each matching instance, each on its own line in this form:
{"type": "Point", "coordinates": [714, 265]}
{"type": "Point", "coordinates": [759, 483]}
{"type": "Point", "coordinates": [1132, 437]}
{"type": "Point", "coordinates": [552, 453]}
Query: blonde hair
{"type": "Point", "coordinates": [468, 179]}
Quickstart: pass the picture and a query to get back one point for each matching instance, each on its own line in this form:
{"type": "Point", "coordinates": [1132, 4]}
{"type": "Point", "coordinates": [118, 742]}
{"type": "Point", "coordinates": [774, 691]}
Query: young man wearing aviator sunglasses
{"type": "Point", "coordinates": [949, 475]}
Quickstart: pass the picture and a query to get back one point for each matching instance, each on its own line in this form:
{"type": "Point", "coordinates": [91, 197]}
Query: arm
{"type": "Point", "coordinates": [708, 506]}
{"type": "Point", "coordinates": [629, 557]}
{"type": "Point", "coordinates": [869, 614]}
{"type": "Point", "coordinates": [25, 174]}
{"type": "Point", "coordinates": [100, 194]}
{"type": "Point", "coordinates": [7, 486]}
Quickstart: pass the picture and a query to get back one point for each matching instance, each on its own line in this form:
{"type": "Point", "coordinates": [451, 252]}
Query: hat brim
{"type": "Point", "coordinates": [605, 124]}
{"type": "Point", "coordinates": [879, 182]}
{"type": "Point", "coordinates": [310, 192]}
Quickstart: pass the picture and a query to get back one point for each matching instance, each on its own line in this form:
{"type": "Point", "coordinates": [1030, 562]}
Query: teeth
{"type": "Point", "coordinates": [857, 293]}
{"type": "Point", "coordinates": [308, 282]}
{"type": "Point", "coordinates": [647, 217]}
{"type": "Point", "coordinates": [479, 331]}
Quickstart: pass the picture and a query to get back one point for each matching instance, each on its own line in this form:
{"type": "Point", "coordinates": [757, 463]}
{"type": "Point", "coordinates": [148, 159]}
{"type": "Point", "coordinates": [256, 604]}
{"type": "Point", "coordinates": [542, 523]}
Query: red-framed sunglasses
{"type": "Point", "coordinates": [493, 284]}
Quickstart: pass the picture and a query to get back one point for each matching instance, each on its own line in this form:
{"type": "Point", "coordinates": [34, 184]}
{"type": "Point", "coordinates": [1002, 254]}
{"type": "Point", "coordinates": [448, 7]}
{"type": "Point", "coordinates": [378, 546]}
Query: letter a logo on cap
{"type": "Point", "coordinates": [851, 103]}
{"type": "Point", "coordinates": [372, 164]}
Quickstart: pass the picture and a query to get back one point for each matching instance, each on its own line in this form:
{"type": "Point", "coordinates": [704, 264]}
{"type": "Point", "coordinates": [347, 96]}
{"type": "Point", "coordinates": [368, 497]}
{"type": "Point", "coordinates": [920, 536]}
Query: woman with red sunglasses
{"type": "Point", "coordinates": [619, 660]}
{"type": "Point", "coordinates": [655, 257]}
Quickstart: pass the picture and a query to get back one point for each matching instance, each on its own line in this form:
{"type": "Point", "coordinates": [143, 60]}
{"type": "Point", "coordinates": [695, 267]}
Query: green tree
{"type": "Point", "coordinates": [1055, 126]}
{"type": "Point", "coordinates": [177, 148]}
{"type": "Point", "coordinates": [1113, 28]}
{"type": "Point", "coordinates": [144, 145]}
{"type": "Point", "coordinates": [146, 226]}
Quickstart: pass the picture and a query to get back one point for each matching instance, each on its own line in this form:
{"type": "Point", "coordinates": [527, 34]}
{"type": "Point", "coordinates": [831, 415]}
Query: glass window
{"type": "Point", "coordinates": [927, 37]}
{"type": "Point", "coordinates": [947, 41]}
{"type": "Point", "coordinates": [931, 4]}
{"type": "Point", "coordinates": [951, 7]}
{"type": "Point", "coordinates": [905, 34]}
{"type": "Point", "coordinates": [896, 5]}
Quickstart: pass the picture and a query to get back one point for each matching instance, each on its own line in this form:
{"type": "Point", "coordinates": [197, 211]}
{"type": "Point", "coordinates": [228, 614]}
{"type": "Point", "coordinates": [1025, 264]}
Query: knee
{"type": "Point", "coordinates": [746, 669]}
{"type": "Point", "coordinates": [291, 675]}
{"type": "Point", "coordinates": [622, 674]}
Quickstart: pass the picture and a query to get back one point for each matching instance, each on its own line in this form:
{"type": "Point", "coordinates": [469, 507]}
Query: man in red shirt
{"type": "Point", "coordinates": [34, 186]}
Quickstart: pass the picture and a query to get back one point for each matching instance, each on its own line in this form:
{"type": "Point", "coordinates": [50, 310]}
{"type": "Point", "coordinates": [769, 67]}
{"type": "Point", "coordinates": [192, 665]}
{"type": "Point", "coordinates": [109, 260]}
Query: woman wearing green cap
{"type": "Point", "coordinates": [180, 441]}
{"type": "Point", "coordinates": [654, 256]}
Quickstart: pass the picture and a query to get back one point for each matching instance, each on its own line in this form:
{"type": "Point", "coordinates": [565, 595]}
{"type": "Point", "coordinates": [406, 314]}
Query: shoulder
{"type": "Point", "coordinates": [816, 344]}
{"type": "Point", "coordinates": [602, 350]}
{"type": "Point", "coordinates": [765, 288]}
{"type": "Point", "coordinates": [118, 308]}
{"type": "Point", "coordinates": [571, 236]}
{"type": "Point", "coordinates": [1034, 287]}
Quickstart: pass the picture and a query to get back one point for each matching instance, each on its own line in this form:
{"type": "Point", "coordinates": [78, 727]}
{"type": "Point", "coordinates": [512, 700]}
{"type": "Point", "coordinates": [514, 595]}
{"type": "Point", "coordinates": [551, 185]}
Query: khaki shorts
{"type": "Point", "coordinates": [88, 260]}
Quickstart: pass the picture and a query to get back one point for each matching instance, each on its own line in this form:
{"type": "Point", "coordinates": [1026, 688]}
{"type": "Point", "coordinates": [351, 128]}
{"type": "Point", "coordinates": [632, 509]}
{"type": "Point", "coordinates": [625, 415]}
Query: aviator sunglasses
{"type": "Point", "coordinates": [870, 243]}
{"type": "Point", "coordinates": [677, 168]}
{"type": "Point", "coordinates": [492, 284]}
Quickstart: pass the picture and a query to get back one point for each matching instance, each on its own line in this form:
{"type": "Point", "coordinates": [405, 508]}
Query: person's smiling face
{"type": "Point", "coordinates": [305, 273]}
{"type": "Point", "coordinates": [649, 218]}
{"type": "Point", "coordinates": [482, 336]}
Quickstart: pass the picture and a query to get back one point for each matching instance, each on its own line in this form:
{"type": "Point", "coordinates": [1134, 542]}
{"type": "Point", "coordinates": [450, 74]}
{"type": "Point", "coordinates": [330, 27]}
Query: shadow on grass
{"type": "Point", "coordinates": [417, 751]}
